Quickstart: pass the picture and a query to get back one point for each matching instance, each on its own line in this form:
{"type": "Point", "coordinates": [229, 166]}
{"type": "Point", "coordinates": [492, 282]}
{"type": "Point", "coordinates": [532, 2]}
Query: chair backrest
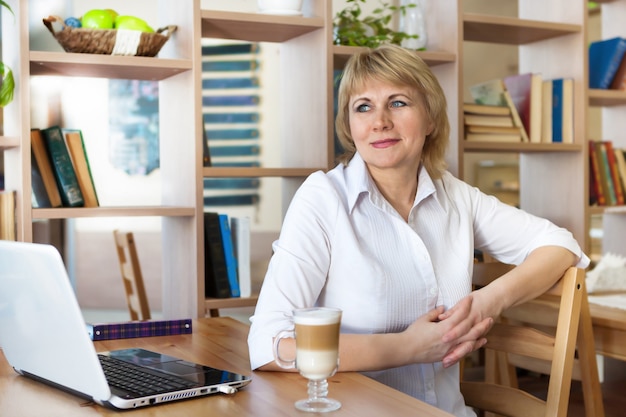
{"type": "Point", "coordinates": [518, 336]}
{"type": "Point", "coordinates": [130, 268]}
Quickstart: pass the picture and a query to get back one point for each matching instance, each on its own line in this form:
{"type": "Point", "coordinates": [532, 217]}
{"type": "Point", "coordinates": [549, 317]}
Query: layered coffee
{"type": "Point", "coordinates": [317, 341]}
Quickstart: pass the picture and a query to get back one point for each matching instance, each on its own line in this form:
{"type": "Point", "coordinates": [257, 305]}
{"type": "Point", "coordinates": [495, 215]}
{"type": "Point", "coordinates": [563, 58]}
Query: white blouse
{"type": "Point", "coordinates": [343, 245]}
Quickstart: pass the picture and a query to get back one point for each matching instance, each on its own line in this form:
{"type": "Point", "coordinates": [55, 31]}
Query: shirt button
{"type": "Point", "coordinates": [432, 291]}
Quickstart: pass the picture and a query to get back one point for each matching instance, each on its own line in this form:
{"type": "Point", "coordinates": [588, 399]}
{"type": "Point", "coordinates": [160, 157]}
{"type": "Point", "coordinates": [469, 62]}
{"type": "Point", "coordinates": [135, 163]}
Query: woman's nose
{"type": "Point", "coordinates": [382, 121]}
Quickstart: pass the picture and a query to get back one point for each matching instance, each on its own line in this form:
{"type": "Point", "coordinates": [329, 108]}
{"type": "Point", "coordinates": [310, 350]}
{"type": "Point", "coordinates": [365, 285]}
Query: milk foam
{"type": "Point", "coordinates": [316, 317]}
{"type": "Point", "coordinates": [316, 364]}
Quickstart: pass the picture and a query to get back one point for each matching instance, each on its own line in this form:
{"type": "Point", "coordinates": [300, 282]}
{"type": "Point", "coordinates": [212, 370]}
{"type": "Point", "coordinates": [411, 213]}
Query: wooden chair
{"type": "Point", "coordinates": [544, 316]}
{"type": "Point", "coordinates": [519, 334]}
{"type": "Point", "coordinates": [130, 268]}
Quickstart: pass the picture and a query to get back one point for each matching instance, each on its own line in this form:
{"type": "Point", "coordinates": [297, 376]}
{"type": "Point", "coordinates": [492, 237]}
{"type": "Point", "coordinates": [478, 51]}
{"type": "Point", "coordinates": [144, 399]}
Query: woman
{"type": "Point", "coordinates": [389, 236]}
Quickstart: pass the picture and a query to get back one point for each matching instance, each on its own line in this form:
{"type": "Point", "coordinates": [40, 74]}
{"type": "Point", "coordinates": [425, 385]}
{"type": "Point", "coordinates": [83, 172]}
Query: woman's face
{"type": "Point", "coordinates": [388, 124]}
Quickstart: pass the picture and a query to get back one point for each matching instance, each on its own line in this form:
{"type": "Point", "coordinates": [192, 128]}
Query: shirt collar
{"type": "Point", "coordinates": [359, 181]}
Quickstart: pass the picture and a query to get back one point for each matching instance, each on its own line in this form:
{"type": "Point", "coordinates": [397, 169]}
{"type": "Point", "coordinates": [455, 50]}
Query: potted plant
{"type": "Point", "coordinates": [7, 83]}
{"type": "Point", "coordinates": [353, 28]}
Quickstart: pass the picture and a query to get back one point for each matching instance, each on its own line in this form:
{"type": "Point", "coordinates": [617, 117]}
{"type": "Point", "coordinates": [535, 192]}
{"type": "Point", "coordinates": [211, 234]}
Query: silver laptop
{"type": "Point", "coordinates": [43, 336]}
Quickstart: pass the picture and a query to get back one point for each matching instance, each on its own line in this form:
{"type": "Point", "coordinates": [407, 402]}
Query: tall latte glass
{"type": "Point", "coordinates": [317, 357]}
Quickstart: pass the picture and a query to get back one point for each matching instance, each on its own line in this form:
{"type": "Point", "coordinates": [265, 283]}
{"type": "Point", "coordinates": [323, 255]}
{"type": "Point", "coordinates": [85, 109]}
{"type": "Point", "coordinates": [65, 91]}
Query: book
{"type": "Point", "coordinates": [78, 153]}
{"type": "Point", "coordinates": [206, 152]}
{"type": "Point", "coordinates": [484, 120]}
{"type": "Point", "coordinates": [563, 110]}
{"type": "Point", "coordinates": [240, 231]}
{"type": "Point", "coordinates": [605, 173]}
{"type": "Point", "coordinates": [526, 90]}
{"type": "Point", "coordinates": [596, 192]}
{"type": "Point", "coordinates": [494, 137]}
{"type": "Point", "coordinates": [39, 156]}
{"type": "Point", "coordinates": [494, 92]}
{"type": "Point", "coordinates": [546, 111]}
{"type": "Point", "coordinates": [40, 197]}
{"type": "Point", "coordinates": [64, 173]}
{"type": "Point", "coordinates": [132, 329]}
{"type": "Point", "coordinates": [216, 283]}
{"type": "Point", "coordinates": [620, 160]}
{"type": "Point", "coordinates": [485, 109]}
{"type": "Point", "coordinates": [605, 57]}
{"type": "Point", "coordinates": [511, 130]}
{"type": "Point", "coordinates": [619, 79]}
{"type": "Point", "coordinates": [614, 172]}
{"type": "Point", "coordinates": [229, 255]}
{"type": "Point", "coordinates": [7, 215]}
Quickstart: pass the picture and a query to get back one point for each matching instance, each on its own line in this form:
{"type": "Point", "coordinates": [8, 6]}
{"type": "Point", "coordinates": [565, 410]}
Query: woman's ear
{"type": "Point", "coordinates": [430, 129]}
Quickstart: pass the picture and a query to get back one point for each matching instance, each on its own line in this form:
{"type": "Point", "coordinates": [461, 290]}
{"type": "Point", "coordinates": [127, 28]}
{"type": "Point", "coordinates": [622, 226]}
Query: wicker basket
{"type": "Point", "coordinates": [103, 41]}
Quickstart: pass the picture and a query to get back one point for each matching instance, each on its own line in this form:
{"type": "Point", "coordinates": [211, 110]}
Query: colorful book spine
{"type": "Point", "coordinates": [614, 172]}
{"type": "Point", "coordinates": [41, 159]}
{"type": "Point", "coordinates": [215, 273]}
{"type": "Point", "coordinates": [605, 171]}
{"type": "Point", "coordinates": [557, 110]}
{"type": "Point", "coordinates": [64, 173]}
{"type": "Point", "coordinates": [132, 329]}
{"type": "Point", "coordinates": [78, 153]}
{"type": "Point", "coordinates": [229, 256]}
{"type": "Point", "coordinates": [595, 178]}
{"type": "Point", "coordinates": [240, 231]}
{"type": "Point", "coordinates": [605, 57]}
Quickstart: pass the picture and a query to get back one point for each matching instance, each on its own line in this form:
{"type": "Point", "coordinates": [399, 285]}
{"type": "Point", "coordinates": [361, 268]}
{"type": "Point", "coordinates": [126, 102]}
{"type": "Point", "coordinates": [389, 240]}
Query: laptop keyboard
{"type": "Point", "coordinates": [136, 380]}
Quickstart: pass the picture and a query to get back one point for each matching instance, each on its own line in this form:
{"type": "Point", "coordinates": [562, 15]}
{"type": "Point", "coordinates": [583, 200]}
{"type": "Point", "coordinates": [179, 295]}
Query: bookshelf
{"type": "Point", "coordinates": [551, 40]}
{"type": "Point", "coordinates": [606, 109]}
{"type": "Point", "coordinates": [176, 71]}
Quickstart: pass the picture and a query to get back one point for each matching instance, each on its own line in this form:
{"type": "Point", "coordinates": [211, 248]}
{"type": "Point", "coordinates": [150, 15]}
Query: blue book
{"type": "Point", "coordinates": [557, 110]}
{"type": "Point", "coordinates": [605, 57]}
{"type": "Point", "coordinates": [229, 255]}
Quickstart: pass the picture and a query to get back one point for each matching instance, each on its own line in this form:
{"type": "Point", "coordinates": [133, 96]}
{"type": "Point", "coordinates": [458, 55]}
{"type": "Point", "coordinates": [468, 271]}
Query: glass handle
{"type": "Point", "coordinates": [285, 364]}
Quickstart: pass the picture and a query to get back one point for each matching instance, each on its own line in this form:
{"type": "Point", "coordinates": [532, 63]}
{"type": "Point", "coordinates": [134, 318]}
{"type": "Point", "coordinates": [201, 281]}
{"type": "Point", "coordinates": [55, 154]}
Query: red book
{"type": "Point", "coordinates": [595, 179]}
{"type": "Point", "coordinates": [614, 170]}
{"type": "Point", "coordinates": [605, 173]}
{"type": "Point", "coordinates": [526, 91]}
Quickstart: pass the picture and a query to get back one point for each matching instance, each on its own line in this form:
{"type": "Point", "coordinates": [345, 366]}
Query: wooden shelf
{"type": "Point", "coordinates": [606, 98]}
{"type": "Point", "coordinates": [341, 54]}
{"type": "Point", "coordinates": [256, 27]}
{"type": "Point", "coordinates": [76, 212]}
{"type": "Point", "coordinates": [511, 30]}
{"type": "Point", "coordinates": [219, 303]}
{"type": "Point", "coordinates": [521, 147]}
{"type": "Point", "coordinates": [106, 66]}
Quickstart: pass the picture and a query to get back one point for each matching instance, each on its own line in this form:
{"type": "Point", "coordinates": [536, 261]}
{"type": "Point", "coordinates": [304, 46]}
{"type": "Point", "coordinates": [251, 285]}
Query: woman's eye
{"type": "Point", "coordinates": [361, 108]}
{"type": "Point", "coordinates": [398, 103]}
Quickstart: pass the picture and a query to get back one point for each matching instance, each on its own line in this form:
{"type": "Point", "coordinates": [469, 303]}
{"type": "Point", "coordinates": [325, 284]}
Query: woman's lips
{"type": "Point", "coordinates": [384, 143]}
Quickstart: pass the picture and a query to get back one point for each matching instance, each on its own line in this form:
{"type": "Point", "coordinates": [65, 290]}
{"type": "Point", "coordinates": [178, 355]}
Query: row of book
{"type": "Point", "coordinates": [61, 176]}
{"type": "Point", "coordinates": [226, 256]}
{"type": "Point", "coordinates": [607, 64]}
{"type": "Point", "coordinates": [522, 108]}
{"type": "Point", "coordinates": [607, 174]}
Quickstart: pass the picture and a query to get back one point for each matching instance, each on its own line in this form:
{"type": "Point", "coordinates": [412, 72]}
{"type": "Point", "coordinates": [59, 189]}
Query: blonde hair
{"type": "Point", "coordinates": [398, 66]}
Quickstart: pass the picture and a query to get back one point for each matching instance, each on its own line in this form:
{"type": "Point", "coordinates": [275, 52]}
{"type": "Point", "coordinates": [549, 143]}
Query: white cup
{"type": "Point", "coordinates": [286, 7]}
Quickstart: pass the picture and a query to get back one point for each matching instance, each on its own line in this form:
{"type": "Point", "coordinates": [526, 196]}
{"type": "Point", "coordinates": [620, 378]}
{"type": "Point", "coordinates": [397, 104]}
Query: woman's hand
{"type": "Point", "coordinates": [468, 326]}
{"type": "Point", "coordinates": [449, 336]}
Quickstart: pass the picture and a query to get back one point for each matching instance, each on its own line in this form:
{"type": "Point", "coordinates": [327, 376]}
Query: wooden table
{"type": "Point", "coordinates": [609, 330]}
{"type": "Point", "coordinates": [218, 342]}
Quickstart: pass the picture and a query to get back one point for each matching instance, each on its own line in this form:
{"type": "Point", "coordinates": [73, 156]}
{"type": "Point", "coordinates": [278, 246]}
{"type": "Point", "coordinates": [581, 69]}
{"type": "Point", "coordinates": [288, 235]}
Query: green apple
{"type": "Point", "coordinates": [97, 19]}
{"type": "Point", "coordinates": [132, 23]}
{"type": "Point", "coordinates": [113, 14]}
